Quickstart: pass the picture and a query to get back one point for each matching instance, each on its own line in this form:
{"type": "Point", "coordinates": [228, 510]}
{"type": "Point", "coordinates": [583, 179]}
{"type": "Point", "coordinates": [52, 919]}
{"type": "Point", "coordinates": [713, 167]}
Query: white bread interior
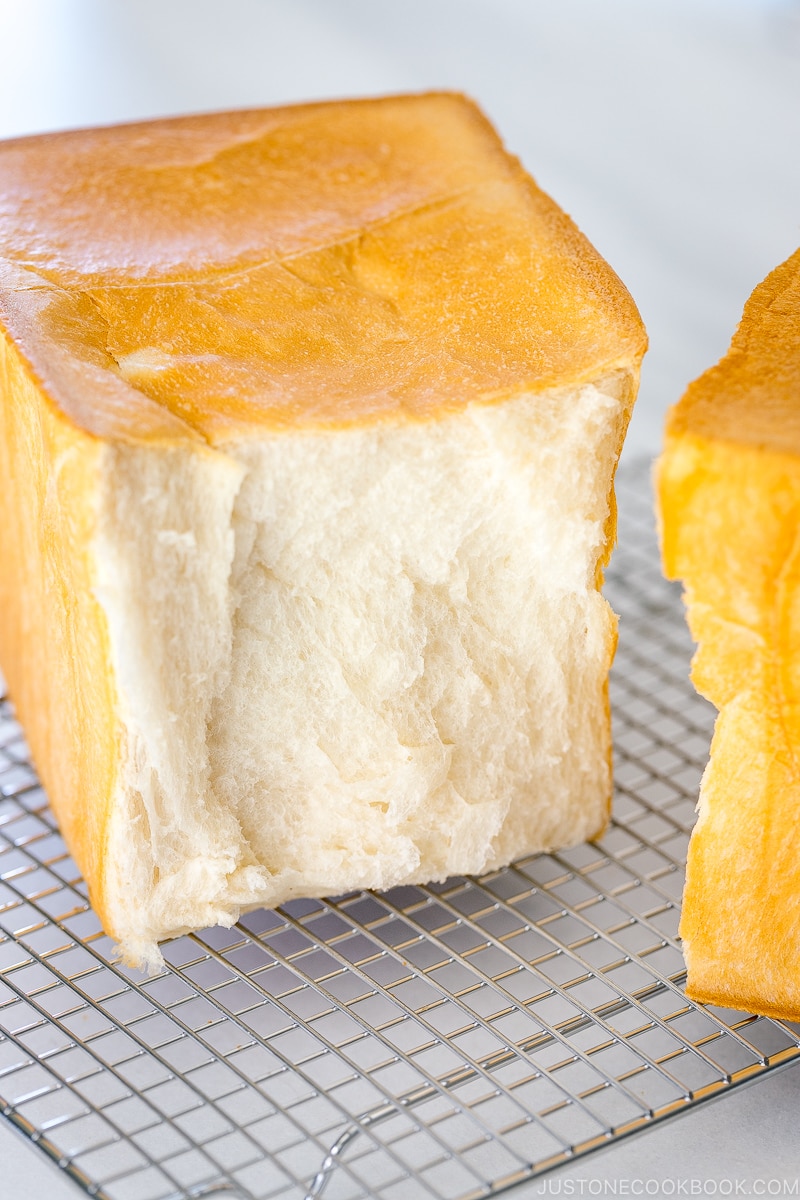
{"type": "Point", "coordinates": [356, 658]}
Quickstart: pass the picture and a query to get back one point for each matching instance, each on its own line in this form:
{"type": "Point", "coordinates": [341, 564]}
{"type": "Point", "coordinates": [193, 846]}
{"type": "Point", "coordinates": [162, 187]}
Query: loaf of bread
{"type": "Point", "coordinates": [310, 418]}
{"type": "Point", "coordinates": [729, 493]}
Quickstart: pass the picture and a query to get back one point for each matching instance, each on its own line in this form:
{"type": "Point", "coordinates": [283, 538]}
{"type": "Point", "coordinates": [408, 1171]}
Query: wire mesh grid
{"type": "Point", "coordinates": [436, 1042]}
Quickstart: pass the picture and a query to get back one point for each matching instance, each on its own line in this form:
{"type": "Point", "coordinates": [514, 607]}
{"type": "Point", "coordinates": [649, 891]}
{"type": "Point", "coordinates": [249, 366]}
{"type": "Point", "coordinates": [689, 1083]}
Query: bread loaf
{"type": "Point", "coordinates": [309, 426]}
{"type": "Point", "coordinates": [729, 493]}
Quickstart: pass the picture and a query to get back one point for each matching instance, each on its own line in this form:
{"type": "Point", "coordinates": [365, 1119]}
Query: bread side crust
{"type": "Point", "coordinates": [53, 635]}
{"type": "Point", "coordinates": [730, 517]}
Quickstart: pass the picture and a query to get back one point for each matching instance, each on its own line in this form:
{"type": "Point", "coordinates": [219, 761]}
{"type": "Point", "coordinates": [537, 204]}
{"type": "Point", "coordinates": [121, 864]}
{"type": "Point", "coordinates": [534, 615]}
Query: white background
{"type": "Point", "coordinates": [669, 129]}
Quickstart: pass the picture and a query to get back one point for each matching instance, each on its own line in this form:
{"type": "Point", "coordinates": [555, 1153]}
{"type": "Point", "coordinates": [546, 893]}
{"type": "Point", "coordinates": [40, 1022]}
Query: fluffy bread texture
{"type": "Point", "coordinates": [309, 430]}
{"type": "Point", "coordinates": [729, 499]}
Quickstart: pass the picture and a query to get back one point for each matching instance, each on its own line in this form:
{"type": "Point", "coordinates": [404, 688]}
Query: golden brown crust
{"type": "Point", "coordinates": [53, 638]}
{"type": "Point", "coordinates": [729, 493]}
{"type": "Point", "coordinates": [312, 266]}
{"type": "Point", "coordinates": [751, 396]}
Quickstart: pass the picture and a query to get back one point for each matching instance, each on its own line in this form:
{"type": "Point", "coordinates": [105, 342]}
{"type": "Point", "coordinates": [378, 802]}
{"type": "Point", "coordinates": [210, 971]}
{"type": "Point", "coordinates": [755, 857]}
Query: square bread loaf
{"type": "Point", "coordinates": [729, 491]}
{"type": "Point", "coordinates": [309, 424]}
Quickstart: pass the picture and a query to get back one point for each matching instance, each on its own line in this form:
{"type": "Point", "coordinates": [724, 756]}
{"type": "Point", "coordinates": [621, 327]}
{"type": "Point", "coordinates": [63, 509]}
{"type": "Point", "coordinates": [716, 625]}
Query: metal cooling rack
{"type": "Point", "coordinates": [435, 1042]}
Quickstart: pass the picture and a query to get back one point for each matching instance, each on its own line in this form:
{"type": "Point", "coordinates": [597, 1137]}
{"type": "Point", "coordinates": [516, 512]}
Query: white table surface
{"type": "Point", "coordinates": [669, 129]}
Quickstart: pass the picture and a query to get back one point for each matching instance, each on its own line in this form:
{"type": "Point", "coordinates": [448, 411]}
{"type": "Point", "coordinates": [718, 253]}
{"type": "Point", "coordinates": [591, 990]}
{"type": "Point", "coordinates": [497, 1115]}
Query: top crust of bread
{"type": "Point", "coordinates": [315, 266]}
{"type": "Point", "coordinates": [751, 395]}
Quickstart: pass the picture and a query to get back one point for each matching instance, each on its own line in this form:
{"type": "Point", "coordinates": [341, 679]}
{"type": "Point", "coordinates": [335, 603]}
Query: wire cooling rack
{"type": "Point", "coordinates": [437, 1042]}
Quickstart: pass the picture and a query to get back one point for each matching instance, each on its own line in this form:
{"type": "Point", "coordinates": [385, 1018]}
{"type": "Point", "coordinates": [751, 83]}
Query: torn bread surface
{"type": "Point", "coordinates": [356, 659]}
